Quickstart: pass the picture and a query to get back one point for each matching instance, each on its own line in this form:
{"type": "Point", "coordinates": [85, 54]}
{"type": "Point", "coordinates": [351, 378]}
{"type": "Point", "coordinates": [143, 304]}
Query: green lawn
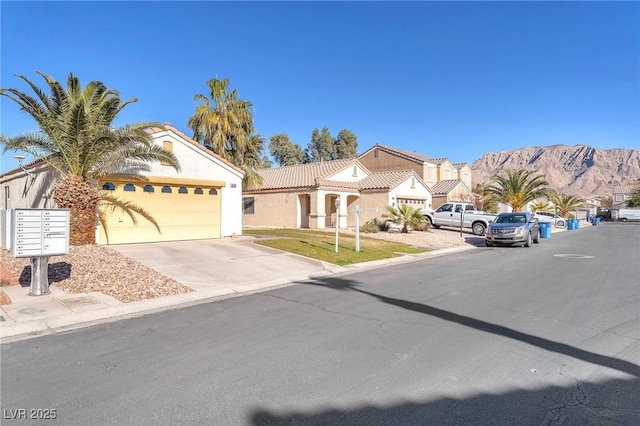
{"type": "Point", "coordinates": [322, 245]}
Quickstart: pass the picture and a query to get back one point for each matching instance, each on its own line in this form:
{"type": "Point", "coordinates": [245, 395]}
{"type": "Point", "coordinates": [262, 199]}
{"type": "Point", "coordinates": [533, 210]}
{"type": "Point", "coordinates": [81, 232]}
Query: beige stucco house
{"type": "Point", "coordinates": [304, 195]}
{"type": "Point", "coordinates": [451, 190]}
{"type": "Point", "coordinates": [204, 200]}
{"type": "Point", "coordinates": [438, 173]}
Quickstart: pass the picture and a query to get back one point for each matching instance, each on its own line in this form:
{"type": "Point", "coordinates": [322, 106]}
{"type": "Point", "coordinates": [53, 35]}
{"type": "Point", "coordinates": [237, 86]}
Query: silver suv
{"type": "Point", "coordinates": [513, 228]}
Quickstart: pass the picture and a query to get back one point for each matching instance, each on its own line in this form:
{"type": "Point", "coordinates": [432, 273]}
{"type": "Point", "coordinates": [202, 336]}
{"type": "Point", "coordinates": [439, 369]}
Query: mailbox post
{"type": "Point", "coordinates": [39, 234]}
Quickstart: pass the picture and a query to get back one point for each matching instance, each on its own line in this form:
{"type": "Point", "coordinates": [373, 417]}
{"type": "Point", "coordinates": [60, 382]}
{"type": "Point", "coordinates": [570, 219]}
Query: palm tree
{"type": "Point", "coordinates": [76, 138]}
{"type": "Point", "coordinates": [518, 187]}
{"type": "Point", "coordinates": [488, 200]}
{"type": "Point", "coordinates": [541, 206]}
{"type": "Point", "coordinates": [565, 203]}
{"type": "Point", "coordinates": [224, 124]}
{"type": "Point", "coordinates": [406, 216]}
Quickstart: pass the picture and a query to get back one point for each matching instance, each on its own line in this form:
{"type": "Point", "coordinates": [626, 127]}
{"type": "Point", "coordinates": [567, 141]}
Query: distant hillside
{"type": "Point", "coordinates": [577, 170]}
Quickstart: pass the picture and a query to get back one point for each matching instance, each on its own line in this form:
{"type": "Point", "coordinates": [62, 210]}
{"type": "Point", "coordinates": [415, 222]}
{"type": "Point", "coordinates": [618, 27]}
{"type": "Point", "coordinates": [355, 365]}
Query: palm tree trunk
{"type": "Point", "coordinates": [81, 197]}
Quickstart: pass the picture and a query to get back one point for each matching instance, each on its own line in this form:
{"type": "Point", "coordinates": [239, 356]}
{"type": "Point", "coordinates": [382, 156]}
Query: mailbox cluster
{"type": "Point", "coordinates": [39, 232]}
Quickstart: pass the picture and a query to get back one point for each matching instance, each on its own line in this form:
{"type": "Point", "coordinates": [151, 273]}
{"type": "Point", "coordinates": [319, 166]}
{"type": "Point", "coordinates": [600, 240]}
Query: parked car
{"type": "Point", "coordinates": [550, 217]}
{"type": "Point", "coordinates": [449, 215]}
{"type": "Point", "coordinates": [513, 228]}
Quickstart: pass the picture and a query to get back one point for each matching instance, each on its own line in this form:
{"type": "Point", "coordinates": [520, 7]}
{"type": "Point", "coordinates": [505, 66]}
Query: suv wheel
{"type": "Point", "coordinates": [536, 239]}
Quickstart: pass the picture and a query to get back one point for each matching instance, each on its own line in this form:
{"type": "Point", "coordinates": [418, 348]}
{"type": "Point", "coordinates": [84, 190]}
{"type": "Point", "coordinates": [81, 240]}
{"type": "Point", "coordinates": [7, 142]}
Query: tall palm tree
{"type": "Point", "coordinates": [77, 138]}
{"type": "Point", "coordinates": [224, 124]}
{"type": "Point", "coordinates": [517, 187]}
{"type": "Point", "coordinates": [221, 121]}
{"type": "Point", "coordinates": [565, 203]}
{"type": "Point", "coordinates": [406, 216]}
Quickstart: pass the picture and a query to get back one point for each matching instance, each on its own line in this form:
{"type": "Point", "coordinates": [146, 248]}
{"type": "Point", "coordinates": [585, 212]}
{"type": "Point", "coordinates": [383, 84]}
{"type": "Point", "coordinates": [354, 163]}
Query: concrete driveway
{"type": "Point", "coordinates": [238, 265]}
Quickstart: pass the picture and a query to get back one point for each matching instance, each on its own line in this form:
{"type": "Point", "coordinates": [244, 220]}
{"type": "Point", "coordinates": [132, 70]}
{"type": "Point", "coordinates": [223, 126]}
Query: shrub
{"type": "Point", "coordinates": [372, 226]}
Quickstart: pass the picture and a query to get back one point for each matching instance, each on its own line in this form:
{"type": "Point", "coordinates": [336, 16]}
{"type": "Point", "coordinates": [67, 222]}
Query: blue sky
{"type": "Point", "coordinates": [445, 79]}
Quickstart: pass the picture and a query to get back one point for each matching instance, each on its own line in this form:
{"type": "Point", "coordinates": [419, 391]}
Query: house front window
{"type": "Point", "coordinates": [248, 204]}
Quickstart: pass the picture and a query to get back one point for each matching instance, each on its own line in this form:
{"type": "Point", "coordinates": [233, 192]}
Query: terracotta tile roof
{"type": "Point", "coordinates": [446, 186]}
{"type": "Point", "coordinates": [387, 180]}
{"type": "Point", "coordinates": [168, 126]}
{"type": "Point", "coordinates": [303, 175]}
{"type": "Point", "coordinates": [624, 189]}
{"type": "Point", "coordinates": [413, 156]}
{"type": "Point", "coordinates": [439, 161]}
{"type": "Point", "coordinates": [458, 165]}
{"type": "Point", "coordinates": [336, 184]}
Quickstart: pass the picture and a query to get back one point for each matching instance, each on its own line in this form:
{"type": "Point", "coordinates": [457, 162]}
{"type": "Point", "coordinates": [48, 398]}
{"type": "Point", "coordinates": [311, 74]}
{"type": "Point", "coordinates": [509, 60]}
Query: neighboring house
{"type": "Point", "coordinates": [204, 200]}
{"type": "Point", "coordinates": [464, 173]}
{"type": "Point", "coordinates": [621, 194]}
{"type": "Point", "coordinates": [304, 195]}
{"type": "Point", "coordinates": [381, 158]}
{"type": "Point", "coordinates": [451, 190]}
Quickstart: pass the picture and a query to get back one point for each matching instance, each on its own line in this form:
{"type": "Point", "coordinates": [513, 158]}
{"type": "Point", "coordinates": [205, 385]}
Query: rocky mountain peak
{"type": "Point", "coordinates": [577, 170]}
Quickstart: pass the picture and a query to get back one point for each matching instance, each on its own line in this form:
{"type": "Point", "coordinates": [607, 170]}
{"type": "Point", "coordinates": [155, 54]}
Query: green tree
{"type": "Point", "coordinates": [346, 144]}
{"type": "Point", "coordinates": [285, 152]}
{"type": "Point", "coordinates": [406, 216]}
{"type": "Point", "coordinates": [565, 203]}
{"type": "Point", "coordinates": [322, 146]}
{"type": "Point", "coordinates": [488, 200]}
{"type": "Point", "coordinates": [518, 187]}
{"type": "Point", "coordinates": [253, 160]}
{"type": "Point", "coordinates": [224, 123]}
{"type": "Point", "coordinates": [541, 206]}
{"type": "Point", "coordinates": [76, 137]}
{"type": "Point", "coordinates": [634, 201]}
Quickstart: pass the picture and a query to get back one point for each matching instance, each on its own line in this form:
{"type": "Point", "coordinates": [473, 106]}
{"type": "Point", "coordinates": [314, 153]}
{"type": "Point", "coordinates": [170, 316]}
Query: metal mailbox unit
{"type": "Point", "coordinates": [38, 234]}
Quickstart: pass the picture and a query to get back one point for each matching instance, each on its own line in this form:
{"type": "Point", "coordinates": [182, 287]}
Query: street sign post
{"type": "Point", "coordinates": [39, 234]}
{"type": "Point", "coordinates": [358, 210]}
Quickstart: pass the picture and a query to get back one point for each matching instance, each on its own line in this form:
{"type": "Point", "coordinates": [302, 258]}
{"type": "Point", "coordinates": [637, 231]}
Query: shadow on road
{"type": "Point", "coordinates": [613, 402]}
{"type": "Point", "coordinates": [343, 284]}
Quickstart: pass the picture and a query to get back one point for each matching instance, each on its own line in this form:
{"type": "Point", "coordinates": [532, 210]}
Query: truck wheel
{"type": "Point", "coordinates": [429, 221]}
{"type": "Point", "coordinates": [528, 242]}
{"type": "Point", "coordinates": [435, 226]}
{"type": "Point", "coordinates": [478, 228]}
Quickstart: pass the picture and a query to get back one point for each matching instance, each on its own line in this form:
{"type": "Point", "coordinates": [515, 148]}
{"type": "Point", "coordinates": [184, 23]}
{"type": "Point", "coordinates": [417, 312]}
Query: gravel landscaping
{"type": "Point", "coordinates": [98, 268]}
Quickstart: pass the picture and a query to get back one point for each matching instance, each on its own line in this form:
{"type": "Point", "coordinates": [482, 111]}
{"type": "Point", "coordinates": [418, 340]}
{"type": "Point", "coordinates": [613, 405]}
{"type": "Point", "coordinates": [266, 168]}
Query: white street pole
{"type": "Point", "coordinates": [357, 229]}
{"type": "Point", "coordinates": [337, 220]}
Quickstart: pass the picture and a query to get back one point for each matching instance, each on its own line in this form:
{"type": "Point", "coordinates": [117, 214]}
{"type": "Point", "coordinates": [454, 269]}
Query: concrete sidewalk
{"type": "Point", "coordinates": [244, 268]}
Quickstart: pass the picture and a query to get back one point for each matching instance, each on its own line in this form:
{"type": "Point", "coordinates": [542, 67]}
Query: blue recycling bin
{"type": "Point", "coordinates": [597, 221]}
{"type": "Point", "coordinates": [577, 224]}
{"type": "Point", "coordinates": [545, 229]}
{"type": "Point", "coordinates": [571, 224]}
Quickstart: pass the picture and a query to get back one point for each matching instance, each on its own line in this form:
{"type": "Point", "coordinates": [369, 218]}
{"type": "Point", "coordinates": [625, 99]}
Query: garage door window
{"type": "Point", "coordinates": [183, 190]}
{"type": "Point", "coordinates": [129, 187]}
{"type": "Point", "coordinates": [198, 191]}
{"type": "Point", "coordinates": [166, 189]}
{"type": "Point", "coordinates": [108, 186]}
{"type": "Point", "coordinates": [148, 188]}
{"type": "Point", "coordinates": [213, 191]}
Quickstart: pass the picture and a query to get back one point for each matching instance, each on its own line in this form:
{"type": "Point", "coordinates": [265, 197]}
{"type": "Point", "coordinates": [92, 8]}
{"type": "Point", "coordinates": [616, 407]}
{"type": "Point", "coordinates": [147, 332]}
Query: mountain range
{"type": "Point", "coordinates": [576, 170]}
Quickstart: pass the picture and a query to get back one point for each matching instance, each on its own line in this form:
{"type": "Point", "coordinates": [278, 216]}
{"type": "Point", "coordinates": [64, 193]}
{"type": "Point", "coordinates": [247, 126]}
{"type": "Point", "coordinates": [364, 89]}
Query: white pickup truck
{"type": "Point", "coordinates": [449, 215]}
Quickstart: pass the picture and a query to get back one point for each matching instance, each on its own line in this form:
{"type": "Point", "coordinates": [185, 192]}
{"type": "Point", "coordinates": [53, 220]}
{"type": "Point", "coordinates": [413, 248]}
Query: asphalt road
{"type": "Point", "coordinates": [500, 336]}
